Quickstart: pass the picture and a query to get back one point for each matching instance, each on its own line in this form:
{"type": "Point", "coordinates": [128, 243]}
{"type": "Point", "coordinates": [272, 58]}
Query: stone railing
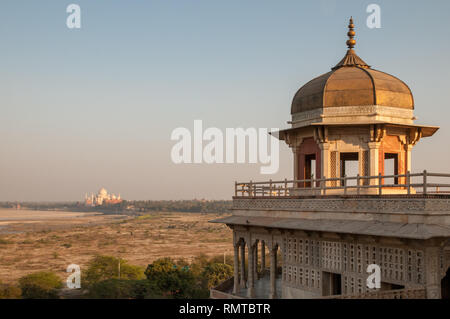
{"type": "Point", "coordinates": [417, 183]}
{"type": "Point", "coordinates": [408, 293]}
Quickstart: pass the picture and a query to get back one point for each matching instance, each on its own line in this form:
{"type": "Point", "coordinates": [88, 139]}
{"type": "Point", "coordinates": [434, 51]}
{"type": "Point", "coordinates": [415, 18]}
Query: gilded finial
{"type": "Point", "coordinates": [351, 58]}
{"type": "Point", "coordinates": [351, 34]}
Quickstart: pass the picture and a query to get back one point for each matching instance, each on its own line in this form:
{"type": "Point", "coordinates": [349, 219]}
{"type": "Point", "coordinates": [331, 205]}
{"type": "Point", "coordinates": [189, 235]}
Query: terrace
{"type": "Point", "coordinates": [424, 183]}
{"type": "Point", "coordinates": [411, 205]}
{"type": "Point", "coordinates": [262, 288]}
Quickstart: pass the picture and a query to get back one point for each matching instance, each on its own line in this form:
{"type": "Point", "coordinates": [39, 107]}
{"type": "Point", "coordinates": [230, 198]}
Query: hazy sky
{"type": "Point", "coordinates": [82, 109]}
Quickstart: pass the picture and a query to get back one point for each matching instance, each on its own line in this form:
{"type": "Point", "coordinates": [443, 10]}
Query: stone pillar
{"type": "Point", "coordinates": [276, 262]}
{"type": "Point", "coordinates": [273, 272]}
{"type": "Point", "coordinates": [296, 158]}
{"type": "Point", "coordinates": [263, 257]}
{"type": "Point", "coordinates": [408, 157]}
{"type": "Point", "coordinates": [255, 266]}
{"type": "Point", "coordinates": [432, 273]}
{"type": "Point", "coordinates": [325, 160]}
{"type": "Point", "coordinates": [251, 280]}
{"type": "Point", "coordinates": [236, 269]}
{"type": "Point", "coordinates": [243, 265]}
{"type": "Point", "coordinates": [374, 153]}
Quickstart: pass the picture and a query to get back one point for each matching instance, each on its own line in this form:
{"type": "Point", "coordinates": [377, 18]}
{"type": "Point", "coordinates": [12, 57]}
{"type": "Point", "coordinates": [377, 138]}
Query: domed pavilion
{"type": "Point", "coordinates": [357, 114]}
{"type": "Point", "coordinates": [327, 230]}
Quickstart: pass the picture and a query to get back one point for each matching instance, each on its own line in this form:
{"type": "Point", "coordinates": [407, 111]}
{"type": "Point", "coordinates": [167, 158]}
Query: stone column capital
{"type": "Point", "coordinates": [324, 146]}
{"type": "Point", "coordinates": [237, 240]}
{"type": "Point", "coordinates": [374, 145]}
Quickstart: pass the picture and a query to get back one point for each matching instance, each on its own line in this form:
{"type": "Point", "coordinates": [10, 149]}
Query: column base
{"type": "Point", "coordinates": [236, 289]}
{"type": "Point", "coordinates": [433, 292]}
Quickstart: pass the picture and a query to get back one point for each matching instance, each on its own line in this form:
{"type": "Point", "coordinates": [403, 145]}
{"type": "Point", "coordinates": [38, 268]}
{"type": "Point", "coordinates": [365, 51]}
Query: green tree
{"type": "Point", "coordinates": [172, 280]}
{"type": "Point", "coordinates": [199, 263]}
{"type": "Point", "coordinates": [40, 285]}
{"type": "Point", "coordinates": [123, 289]}
{"type": "Point", "coordinates": [102, 268]}
{"type": "Point", "coordinates": [216, 273]}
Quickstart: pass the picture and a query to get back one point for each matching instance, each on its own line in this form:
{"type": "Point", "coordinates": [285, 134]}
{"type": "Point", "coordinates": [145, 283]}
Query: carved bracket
{"type": "Point", "coordinates": [414, 136]}
{"type": "Point", "coordinates": [377, 132]}
{"type": "Point", "coordinates": [321, 134]}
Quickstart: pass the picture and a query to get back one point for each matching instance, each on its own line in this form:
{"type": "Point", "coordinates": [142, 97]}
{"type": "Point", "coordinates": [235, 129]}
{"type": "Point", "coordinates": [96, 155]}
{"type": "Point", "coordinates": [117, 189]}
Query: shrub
{"type": "Point", "coordinates": [216, 273]}
{"type": "Point", "coordinates": [199, 263]}
{"type": "Point", "coordinates": [173, 281]}
{"type": "Point", "coordinates": [9, 292]}
{"type": "Point", "coordinates": [4, 241]}
{"type": "Point", "coordinates": [123, 289]}
{"type": "Point", "coordinates": [166, 278]}
{"type": "Point", "coordinates": [102, 268]}
{"type": "Point", "coordinates": [40, 285]}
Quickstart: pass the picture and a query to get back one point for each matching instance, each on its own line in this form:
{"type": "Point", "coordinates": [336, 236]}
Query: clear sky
{"type": "Point", "coordinates": [95, 107]}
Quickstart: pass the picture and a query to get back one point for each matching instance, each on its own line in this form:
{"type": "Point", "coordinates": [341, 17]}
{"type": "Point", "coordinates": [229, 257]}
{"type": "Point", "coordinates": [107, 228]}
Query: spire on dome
{"type": "Point", "coordinates": [351, 34]}
{"type": "Point", "coordinates": [351, 58]}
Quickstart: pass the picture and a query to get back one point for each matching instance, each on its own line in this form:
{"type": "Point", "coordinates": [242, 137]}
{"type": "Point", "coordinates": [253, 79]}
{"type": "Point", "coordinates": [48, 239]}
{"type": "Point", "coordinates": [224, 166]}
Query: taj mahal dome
{"type": "Point", "coordinates": [102, 197]}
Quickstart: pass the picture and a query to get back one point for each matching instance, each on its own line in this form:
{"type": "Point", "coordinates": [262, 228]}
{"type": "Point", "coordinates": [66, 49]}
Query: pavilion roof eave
{"type": "Point", "coordinates": [359, 227]}
{"type": "Point", "coordinates": [427, 130]}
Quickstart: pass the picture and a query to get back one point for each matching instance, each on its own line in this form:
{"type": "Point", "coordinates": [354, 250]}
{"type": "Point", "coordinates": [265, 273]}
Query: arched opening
{"type": "Point", "coordinates": [331, 284]}
{"type": "Point", "coordinates": [445, 285]}
{"type": "Point", "coordinates": [310, 168]}
{"type": "Point", "coordinates": [391, 167]}
{"type": "Point", "coordinates": [349, 166]}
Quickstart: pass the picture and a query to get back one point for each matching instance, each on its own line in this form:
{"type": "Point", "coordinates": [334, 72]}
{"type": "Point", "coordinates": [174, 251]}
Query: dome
{"type": "Point", "coordinates": [352, 83]}
{"type": "Point", "coordinates": [103, 192]}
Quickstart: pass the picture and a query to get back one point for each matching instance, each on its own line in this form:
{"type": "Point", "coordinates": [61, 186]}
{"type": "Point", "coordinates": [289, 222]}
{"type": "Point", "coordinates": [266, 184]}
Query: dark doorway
{"type": "Point", "coordinates": [445, 286]}
{"type": "Point", "coordinates": [391, 167]}
{"type": "Point", "coordinates": [331, 284]}
{"type": "Point", "coordinates": [349, 166]}
{"type": "Point", "coordinates": [389, 286]}
{"type": "Point", "coordinates": [310, 168]}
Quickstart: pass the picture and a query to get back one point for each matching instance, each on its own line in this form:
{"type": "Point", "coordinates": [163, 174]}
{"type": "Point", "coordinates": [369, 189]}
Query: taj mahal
{"type": "Point", "coordinates": [102, 197]}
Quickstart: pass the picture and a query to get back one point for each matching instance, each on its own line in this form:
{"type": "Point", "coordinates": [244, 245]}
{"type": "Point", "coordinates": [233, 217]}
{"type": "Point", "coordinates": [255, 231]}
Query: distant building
{"type": "Point", "coordinates": [101, 198]}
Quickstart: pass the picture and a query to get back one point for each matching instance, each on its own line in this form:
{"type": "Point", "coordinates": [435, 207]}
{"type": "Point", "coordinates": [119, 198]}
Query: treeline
{"type": "Point", "coordinates": [41, 205]}
{"type": "Point", "coordinates": [190, 206]}
{"type": "Point", "coordinates": [105, 279]}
